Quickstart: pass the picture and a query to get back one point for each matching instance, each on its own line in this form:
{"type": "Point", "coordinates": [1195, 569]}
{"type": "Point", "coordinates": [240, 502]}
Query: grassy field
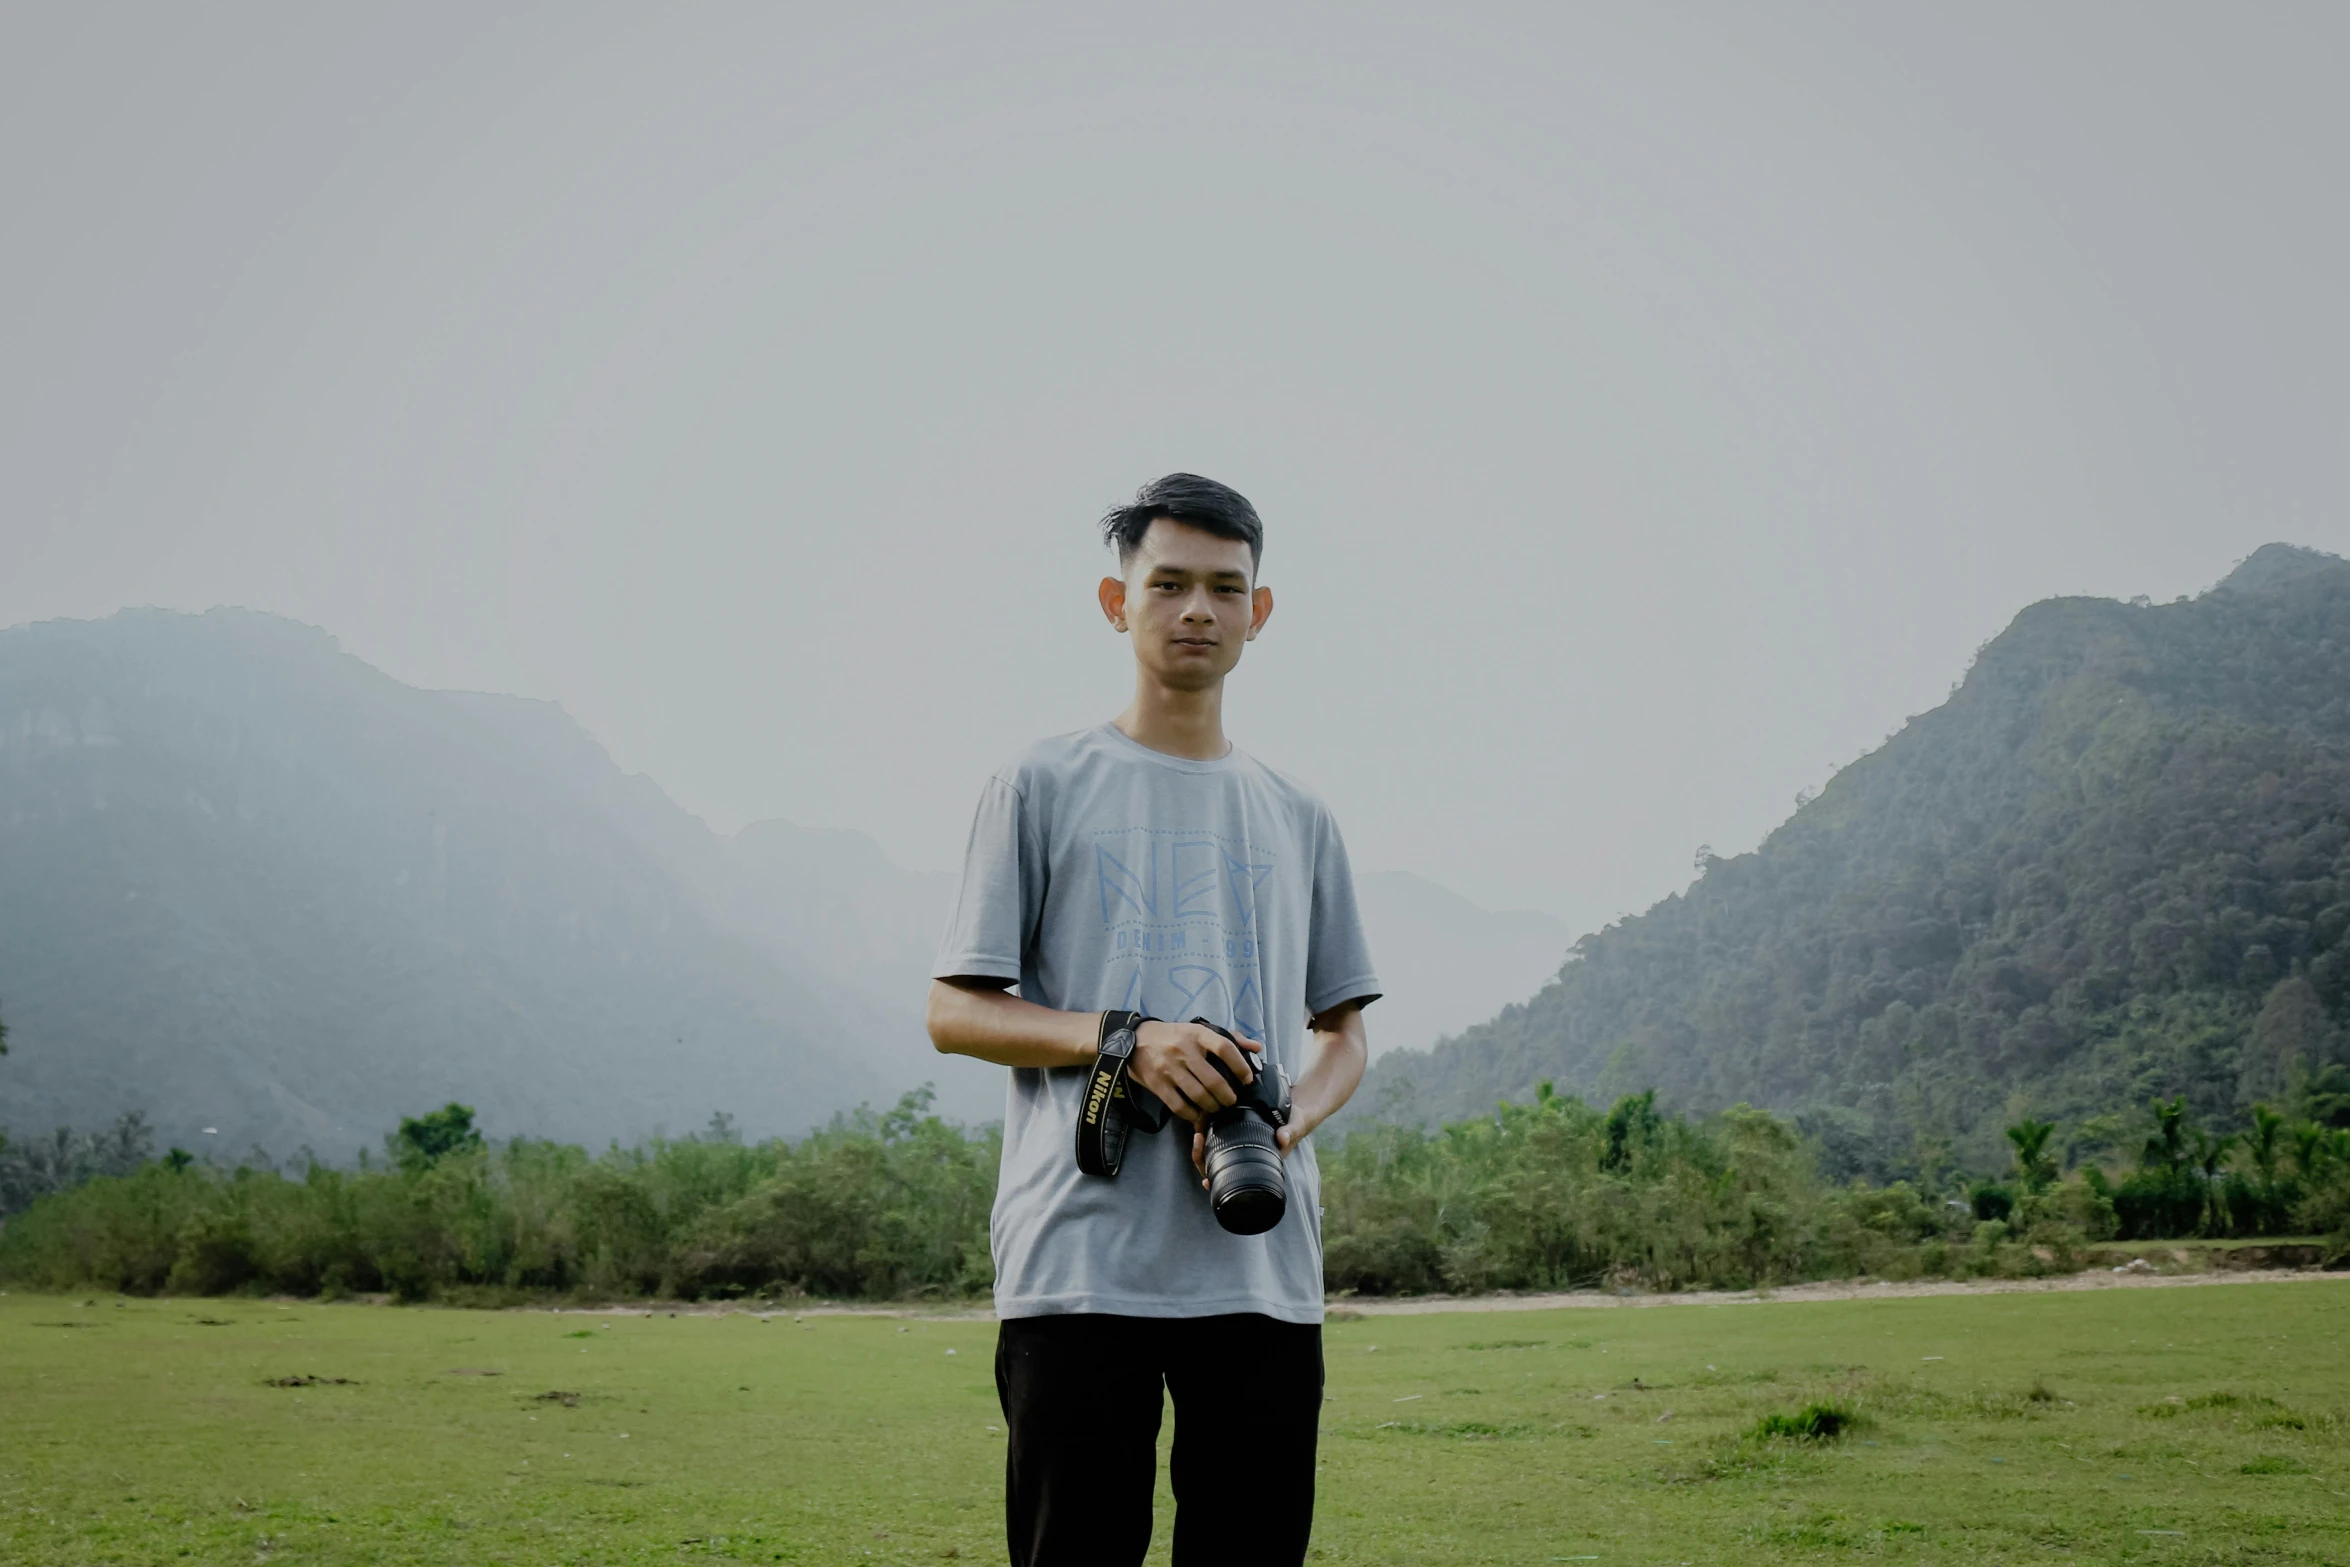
{"type": "Point", "coordinates": [2173, 1425]}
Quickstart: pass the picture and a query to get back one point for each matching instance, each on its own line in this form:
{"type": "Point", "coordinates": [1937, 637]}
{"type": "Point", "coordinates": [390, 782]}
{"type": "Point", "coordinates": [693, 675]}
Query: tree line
{"type": "Point", "coordinates": [1548, 1194]}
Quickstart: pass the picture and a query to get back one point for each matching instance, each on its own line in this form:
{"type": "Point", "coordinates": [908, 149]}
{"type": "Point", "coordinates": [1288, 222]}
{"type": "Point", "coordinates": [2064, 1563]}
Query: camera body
{"type": "Point", "coordinates": [1247, 1187]}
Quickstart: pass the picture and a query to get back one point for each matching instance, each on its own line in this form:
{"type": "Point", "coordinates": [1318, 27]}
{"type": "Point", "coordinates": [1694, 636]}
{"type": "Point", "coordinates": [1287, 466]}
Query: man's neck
{"type": "Point", "coordinates": [1189, 724]}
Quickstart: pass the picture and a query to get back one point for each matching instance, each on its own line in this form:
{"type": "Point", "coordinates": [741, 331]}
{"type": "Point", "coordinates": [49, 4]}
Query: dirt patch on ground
{"type": "Point", "coordinates": [1845, 1289]}
{"type": "Point", "coordinates": [2138, 1274]}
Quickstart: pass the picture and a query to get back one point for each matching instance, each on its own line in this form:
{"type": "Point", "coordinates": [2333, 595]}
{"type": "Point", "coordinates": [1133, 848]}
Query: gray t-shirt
{"type": "Point", "coordinates": [1102, 874]}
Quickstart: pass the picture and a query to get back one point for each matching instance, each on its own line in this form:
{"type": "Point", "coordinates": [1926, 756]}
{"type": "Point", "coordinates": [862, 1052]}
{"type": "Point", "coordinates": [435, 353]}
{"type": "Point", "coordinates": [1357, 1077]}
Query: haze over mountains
{"type": "Point", "coordinates": [249, 883]}
{"type": "Point", "coordinates": [2115, 864]}
{"type": "Point", "coordinates": [255, 885]}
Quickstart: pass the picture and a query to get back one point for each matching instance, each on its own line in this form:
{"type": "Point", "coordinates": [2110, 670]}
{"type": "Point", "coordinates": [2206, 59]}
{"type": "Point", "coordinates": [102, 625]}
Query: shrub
{"type": "Point", "coordinates": [2085, 1207]}
{"type": "Point", "coordinates": [1814, 1422]}
{"type": "Point", "coordinates": [1555, 1194]}
{"type": "Point", "coordinates": [2160, 1204]}
{"type": "Point", "coordinates": [877, 1205]}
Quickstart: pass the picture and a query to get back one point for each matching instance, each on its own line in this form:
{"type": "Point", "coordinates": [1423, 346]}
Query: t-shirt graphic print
{"type": "Point", "coordinates": [1102, 874]}
{"type": "Point", "coordinates": [1180, 908]}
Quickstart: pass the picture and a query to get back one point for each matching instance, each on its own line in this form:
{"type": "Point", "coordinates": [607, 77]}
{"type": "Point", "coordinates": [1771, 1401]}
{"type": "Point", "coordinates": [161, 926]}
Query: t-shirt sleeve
{"type": "Point", "coordinates": [1002, 891]}
{"type": "Point", "coordinates": [1338, 957]}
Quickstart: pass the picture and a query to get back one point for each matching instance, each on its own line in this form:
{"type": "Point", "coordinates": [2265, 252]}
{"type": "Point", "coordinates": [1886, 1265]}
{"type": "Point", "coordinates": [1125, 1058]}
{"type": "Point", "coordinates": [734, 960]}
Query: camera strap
{"type": "Point", "coordinates": [1113, 1108]}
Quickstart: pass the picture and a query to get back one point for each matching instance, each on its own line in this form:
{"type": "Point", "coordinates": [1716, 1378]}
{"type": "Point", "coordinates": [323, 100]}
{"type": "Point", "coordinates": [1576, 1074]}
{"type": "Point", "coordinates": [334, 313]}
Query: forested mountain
{"type": "Point", "coordinates": [2115, 864]}
{"type": "Point", "coordinates": [249, 883]}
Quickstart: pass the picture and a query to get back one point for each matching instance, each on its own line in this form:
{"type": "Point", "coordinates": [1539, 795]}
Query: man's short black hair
{"type": "Point", "coordinates": [1193, 501]}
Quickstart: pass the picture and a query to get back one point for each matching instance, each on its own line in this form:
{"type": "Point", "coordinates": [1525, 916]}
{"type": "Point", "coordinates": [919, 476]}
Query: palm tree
{"type": "Point", "coordinates": [2166, 1148]}
{"type": "Point", "coordinates": [2309, 1149]}
{"type": "Point", "coordinates": [2034, 1170]}
{"type": "Point", "coordinates": [2264, 1142]}
{"type": "Point", "coordinates": [2211, 1157]}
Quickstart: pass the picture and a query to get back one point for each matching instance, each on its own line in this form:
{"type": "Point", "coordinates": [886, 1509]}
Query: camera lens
{"type": "Point", "coordinates": [1245, 1184]}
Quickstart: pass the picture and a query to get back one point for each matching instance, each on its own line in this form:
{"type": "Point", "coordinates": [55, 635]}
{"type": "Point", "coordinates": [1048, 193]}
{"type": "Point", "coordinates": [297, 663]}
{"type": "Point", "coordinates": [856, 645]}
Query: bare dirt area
{"type": "Point", "coordinates": [2176, 1271]}
{"type": "Point", "coordinates": [1840, 1289]}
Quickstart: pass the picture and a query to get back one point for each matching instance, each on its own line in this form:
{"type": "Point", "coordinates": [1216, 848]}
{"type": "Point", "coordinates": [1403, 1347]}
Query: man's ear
{"type": "Point", "coordinates": [1113, 597]}
{"type": "Point", "coordinates": [1260, 610]}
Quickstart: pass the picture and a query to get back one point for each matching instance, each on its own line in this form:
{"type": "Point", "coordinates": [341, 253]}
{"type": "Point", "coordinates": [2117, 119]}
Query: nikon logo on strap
{"type": "Point", "coordinates": [1112, 1114]}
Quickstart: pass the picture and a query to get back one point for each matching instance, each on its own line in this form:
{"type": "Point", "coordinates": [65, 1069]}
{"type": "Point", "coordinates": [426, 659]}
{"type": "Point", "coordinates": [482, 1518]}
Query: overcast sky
{"type": "Point", "coordinates": [1649, 407]}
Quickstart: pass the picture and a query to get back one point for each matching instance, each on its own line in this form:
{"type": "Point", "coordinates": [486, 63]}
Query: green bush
{"type": "Point", "coordinates": [1816, 1422]}
{"type": "Point", "coordinates": [2084, 1207]}
{"type": "Point", "coordinates": [1559, 1195]}
{"type": "Point", "coordinates": [1551, 1195]}
{"type": "Point", "coordinates": [875, 1205]}
{"type": "Point", "coordinates": [1990, 1201]}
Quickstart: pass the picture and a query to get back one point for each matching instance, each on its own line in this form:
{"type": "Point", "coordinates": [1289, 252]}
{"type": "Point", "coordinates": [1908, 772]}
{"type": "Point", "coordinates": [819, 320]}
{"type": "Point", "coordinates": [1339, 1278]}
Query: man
{"type": "Point", "coordinates": [1147, 866]}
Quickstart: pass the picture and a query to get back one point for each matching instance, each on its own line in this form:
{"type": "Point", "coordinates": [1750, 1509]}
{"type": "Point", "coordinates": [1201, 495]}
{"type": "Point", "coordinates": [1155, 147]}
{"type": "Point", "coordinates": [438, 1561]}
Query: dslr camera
{"type": "Point", "coordinates": [1246, 1185]}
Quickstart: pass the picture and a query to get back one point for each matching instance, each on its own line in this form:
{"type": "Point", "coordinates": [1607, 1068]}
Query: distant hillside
{"type": "Point", "coordinates": [2115, 863]}
{"type": "Point", "coordinates": [1445, 962]}
{"type": "Point", "coordinates": [249, 883]}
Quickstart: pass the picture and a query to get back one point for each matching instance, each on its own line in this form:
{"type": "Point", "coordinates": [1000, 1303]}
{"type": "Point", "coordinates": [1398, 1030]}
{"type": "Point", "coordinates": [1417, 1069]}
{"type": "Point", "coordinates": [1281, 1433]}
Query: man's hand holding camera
{"type": "Point", "coordinates": [1224, 1088]}
{"type": "Point", "coordinates": [1177, 1062]}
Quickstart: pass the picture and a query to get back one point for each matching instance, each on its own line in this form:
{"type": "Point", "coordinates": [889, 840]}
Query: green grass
{"type": "Point", "coordinates": [2186, 1425]}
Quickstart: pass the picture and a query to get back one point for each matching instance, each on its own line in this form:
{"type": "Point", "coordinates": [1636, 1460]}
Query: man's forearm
{"type": "Point", "coordinates": [1341, 1050]}
{"type": "Point", "coordinates": [986, 1021]}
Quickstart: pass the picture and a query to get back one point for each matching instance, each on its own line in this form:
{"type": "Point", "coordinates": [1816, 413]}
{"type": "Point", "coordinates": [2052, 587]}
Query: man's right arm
{"type": "Point", "coordinates": [974, 1015]}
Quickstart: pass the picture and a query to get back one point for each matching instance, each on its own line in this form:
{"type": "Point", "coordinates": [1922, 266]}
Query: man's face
{"type": "Point", "coordinates": [1188, 603]}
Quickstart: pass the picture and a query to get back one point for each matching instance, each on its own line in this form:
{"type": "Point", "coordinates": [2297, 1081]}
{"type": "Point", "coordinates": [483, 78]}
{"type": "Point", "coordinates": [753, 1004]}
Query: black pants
{"type": "Point", "coordinates": [1081, 1395]}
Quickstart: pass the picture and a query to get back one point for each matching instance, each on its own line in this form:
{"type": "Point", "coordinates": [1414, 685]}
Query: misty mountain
{"type": "Point", "coordinates": [2115, 864]}
{"type": "Point", "coordinates": [249, 883]}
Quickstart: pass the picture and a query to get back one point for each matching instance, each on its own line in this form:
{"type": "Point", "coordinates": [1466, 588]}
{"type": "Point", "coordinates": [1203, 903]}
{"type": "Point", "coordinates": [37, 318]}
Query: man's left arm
{"type": "Point", "coordinates": [1339, 982]}
{"type": "Point", "coordinates": [1331, 1077]}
